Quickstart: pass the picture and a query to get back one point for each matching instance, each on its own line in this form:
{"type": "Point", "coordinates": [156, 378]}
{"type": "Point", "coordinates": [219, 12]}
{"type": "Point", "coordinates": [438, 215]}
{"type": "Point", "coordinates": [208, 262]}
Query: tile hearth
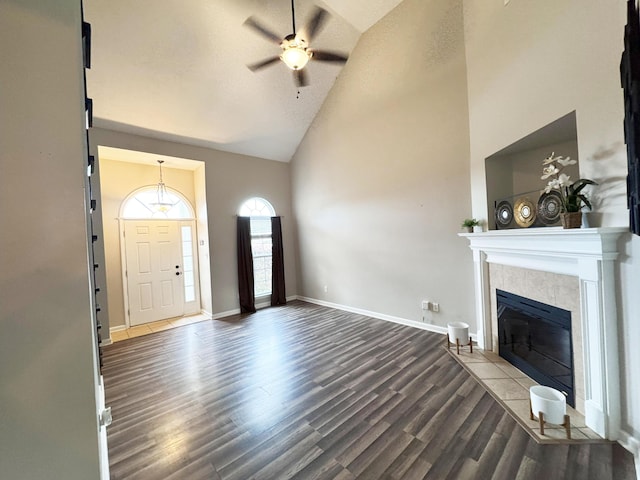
{"type": "Point", "coordinates": [510, 387]}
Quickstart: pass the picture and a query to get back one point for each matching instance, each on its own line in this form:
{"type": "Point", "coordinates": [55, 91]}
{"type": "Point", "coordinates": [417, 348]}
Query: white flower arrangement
{"type": "Point", "coordinates": [570, 192]}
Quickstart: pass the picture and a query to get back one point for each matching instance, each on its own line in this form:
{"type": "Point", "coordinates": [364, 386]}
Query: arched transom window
{"type": "Point", "coordinates": [145, 203]}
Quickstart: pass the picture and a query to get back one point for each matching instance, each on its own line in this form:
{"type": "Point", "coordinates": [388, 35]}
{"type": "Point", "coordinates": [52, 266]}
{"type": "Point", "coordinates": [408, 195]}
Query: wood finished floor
{"type": "Point", "coordinates": [307, 392]}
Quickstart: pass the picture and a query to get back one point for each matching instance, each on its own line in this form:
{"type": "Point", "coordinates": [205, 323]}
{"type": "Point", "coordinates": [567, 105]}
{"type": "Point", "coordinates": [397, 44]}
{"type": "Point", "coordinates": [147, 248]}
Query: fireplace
{"type": "Point", "coordinates": [588, 256]}
{"type": "Point", "coordinates": [536, 338]}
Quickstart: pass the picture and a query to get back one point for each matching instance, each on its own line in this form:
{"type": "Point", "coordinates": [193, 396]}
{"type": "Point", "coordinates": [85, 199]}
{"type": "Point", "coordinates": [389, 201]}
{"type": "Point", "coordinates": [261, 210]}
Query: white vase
{"type": "Point", "coordinates": [551, 402]}
{"type": "Point", "coordinates": [460, 331]}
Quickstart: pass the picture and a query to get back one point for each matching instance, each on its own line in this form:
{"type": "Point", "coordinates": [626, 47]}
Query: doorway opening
{"type": "Point", "coordinates": [156, 259]}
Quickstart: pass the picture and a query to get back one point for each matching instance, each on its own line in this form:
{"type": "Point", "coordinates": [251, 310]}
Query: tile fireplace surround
{"type": "Point", "coordinates": [589, 255]}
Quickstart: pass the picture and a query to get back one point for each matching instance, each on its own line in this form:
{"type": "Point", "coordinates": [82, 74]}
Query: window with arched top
{"type": "Point", "coordinates": [260, 212]}
{"type": "Point", "coordinates": [148, 203]}
{"type": "Point", "coordinates": [257, 207]}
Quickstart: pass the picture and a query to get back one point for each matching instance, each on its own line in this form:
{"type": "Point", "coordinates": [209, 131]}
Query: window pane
{"type": "Point", "coordinates": [187, 263]}
{"type": "Point", "coordinates": [189, 294]}
{"type": "Point", "coordinates": [262, 275]}
{"type": "Point", "coordinates": [141, 205]}
{"type": "Point", "coordinates": [260, 225]}
{"type": "Point", "coordinates": [257, 207]}
{"type": "Point", "coordinates": [261, 246]}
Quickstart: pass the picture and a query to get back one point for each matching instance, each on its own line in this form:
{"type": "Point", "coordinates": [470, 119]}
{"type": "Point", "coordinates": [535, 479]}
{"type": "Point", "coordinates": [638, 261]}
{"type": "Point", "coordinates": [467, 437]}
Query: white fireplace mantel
{"type": "Point", "coordinates": [589, 254]}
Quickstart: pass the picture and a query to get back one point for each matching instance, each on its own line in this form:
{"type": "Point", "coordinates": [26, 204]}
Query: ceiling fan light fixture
{"type": "Point", "coordinates": [295, 57]}
{"type": "Point", "coordinates": [295, 54]}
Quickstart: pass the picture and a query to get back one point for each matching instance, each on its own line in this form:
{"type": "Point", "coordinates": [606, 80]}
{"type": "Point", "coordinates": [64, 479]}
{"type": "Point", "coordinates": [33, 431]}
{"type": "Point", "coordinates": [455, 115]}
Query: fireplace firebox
{"type": "Point", "coordinates": [536, 338]}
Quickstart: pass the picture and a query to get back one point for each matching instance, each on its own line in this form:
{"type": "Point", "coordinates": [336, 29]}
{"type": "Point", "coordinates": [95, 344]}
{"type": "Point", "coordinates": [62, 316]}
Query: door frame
{"type": "Point", "coordinates": [197, 303]}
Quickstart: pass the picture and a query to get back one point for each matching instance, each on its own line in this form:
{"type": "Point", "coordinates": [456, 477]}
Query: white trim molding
{"type": "Point", "coordinates": [632, 444]}
{"type": "Point", "coordinates": [380, 316]}
{"type": "Point", "coordinates": [586, 253]}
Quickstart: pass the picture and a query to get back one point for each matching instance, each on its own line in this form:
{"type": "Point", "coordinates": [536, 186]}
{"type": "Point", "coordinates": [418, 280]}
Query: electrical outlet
{"type": "Point", "coordinates": [425, 305]}
{"type": "Point", "coordinates": [326, 289]}
{"type": "Point", "coordinates": [435, 307]}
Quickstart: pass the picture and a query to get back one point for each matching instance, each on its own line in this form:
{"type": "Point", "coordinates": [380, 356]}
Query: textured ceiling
{"type": "Point", "coordinates": [176, 70]}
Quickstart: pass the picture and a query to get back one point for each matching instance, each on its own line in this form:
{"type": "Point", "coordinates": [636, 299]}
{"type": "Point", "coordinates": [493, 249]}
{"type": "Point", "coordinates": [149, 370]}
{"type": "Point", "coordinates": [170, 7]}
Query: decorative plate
{"type": "Point", "coordinates": [524, 211]}
{"type": "Point", "coordinates": [550, 207]}
{"type": "Point", "coordinates": [504, 214]}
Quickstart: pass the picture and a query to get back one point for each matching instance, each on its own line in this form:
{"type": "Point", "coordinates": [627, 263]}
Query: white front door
{"type": "Point", "coordinates": [154, 271]}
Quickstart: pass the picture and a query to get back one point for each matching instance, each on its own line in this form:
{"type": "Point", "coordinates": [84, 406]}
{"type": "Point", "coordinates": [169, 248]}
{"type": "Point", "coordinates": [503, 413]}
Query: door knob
{"type": "Point", "coordinates": [177, 273]}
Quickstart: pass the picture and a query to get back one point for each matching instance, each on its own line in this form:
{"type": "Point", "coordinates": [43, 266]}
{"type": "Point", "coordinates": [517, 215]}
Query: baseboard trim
{"type": "Point", "coordinates": [632, 444]}
{"type": "Point", "coordinates": [236, 311]}
{"type": "Point", "coordinates": [380, 316]}
{"type": "Point", "coordinates": [228, 313]}
{"type": "Point", "coordinates": [108, 341]}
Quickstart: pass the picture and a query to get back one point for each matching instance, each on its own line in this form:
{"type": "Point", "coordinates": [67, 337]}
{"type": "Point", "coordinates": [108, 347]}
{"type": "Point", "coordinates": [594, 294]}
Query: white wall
{"type": "Point", "coordinates": [529, 63]}
{"type": "Point", "coordinates": [48, 377]}
{"type": "Point", "coordinates": [230, 179]}
{"type": "Point", "coordinates": [381, 179]}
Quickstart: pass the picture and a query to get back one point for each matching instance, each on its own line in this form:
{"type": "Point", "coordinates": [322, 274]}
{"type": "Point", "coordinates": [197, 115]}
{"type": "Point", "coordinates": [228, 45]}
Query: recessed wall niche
{"type": "Point", "coordinates": [513, 176]}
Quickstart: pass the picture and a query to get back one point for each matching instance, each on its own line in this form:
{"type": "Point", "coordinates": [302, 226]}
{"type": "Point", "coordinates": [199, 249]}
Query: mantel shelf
{"type": "Point", "coordinates": [547, 232]}
{"type": "Point", "coordinates": [553, 249]}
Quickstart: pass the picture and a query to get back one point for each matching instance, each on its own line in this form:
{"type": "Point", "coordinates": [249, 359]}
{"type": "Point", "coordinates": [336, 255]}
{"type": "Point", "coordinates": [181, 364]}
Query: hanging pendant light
{"type": "Point", "coordinates": [163, 202]}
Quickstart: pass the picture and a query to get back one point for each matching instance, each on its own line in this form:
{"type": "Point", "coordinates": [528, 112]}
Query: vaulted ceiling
{"type": "Point", "coordinates": [177, 70]}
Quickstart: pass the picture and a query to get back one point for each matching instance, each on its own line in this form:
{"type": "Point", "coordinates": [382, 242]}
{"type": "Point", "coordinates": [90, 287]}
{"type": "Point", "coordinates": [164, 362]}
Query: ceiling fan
{"type": "Point", "coordinates": [295, 48]}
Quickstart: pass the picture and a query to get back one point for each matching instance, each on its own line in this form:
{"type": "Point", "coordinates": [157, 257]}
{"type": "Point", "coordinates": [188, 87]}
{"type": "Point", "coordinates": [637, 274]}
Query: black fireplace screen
{"type": "Point", "coordinates": [536, 338]}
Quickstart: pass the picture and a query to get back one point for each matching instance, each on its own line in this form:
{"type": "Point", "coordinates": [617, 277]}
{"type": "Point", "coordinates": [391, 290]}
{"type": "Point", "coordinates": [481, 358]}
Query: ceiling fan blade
{"type": "Point", "coordinates": [301, 78]}
{"type": "Point", "coordinates": [324, 56]}
{"type": "Point", "coordinates": [264, 63]}
{"type": "Point", "coordinates": [262, 30]}
{"type": "Point", "coordinates": [315, 24]}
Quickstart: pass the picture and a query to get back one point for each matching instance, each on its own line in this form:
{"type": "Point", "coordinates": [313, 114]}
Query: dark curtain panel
{"type": "Point", "coordinates": [245, 266]}
{"type": "Point", "coordinates": [278, 295]}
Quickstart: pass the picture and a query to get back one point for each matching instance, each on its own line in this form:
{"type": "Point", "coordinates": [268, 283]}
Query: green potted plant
{"type": "Point", "coordinates": [572, 197]}
{"type": "Point", "coordinates": [469, 223]}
